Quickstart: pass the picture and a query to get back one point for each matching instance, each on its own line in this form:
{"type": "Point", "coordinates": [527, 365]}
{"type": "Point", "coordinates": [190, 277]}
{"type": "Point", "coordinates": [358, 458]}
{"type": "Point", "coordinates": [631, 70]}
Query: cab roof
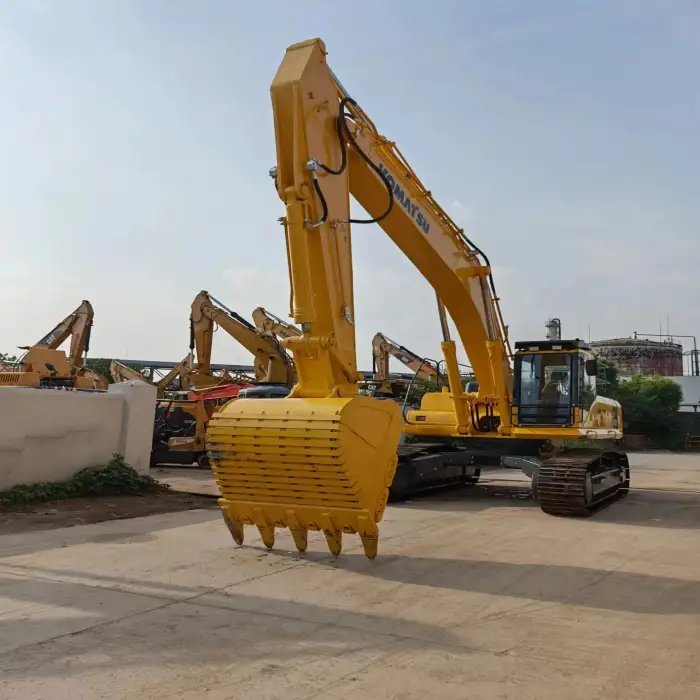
{"type": "Point", "coordinates": [535, 345]}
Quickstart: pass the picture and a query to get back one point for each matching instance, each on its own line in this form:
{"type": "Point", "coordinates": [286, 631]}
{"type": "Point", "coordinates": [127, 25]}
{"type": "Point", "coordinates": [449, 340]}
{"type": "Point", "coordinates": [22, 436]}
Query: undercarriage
{"type": "Point", "coordinates": [574, 483]}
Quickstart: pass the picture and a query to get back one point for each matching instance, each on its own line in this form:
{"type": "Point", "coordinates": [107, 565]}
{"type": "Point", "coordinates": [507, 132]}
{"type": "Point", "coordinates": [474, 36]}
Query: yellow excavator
{"type": "Point", "coordinates": [273, 367]}
{"type": "Point", "coordinates": [123, 373]}
{"type": "Point", "coordinates": [323, 458]}
{"type": "Point", "coordinates": [44, 365]}
{"type": "Point", "coordinates": [383, 349]}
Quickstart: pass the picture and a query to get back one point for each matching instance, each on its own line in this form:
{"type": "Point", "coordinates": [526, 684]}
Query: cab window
{"type": "Point", "coordinates": [545, 379]}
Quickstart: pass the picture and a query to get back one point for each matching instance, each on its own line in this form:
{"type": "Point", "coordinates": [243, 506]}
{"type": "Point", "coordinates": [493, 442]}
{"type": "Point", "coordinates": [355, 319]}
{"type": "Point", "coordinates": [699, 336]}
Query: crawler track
{"type": "Point", "coordinates": [425, 467]}
{"type": "Point", "coordinates": [578, 484]}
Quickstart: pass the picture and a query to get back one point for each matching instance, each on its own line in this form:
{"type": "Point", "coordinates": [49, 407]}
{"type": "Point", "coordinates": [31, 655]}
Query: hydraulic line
{"type": "Point", "coordinates": [343, 134]}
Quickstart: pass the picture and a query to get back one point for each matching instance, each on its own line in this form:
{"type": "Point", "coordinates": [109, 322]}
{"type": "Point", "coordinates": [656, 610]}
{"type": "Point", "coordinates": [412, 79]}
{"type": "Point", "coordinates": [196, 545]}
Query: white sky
{"type": "Point", "coordinates": [136, 136]}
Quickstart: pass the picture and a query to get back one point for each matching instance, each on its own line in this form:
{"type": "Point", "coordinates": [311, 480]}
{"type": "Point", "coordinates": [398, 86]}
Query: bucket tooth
{"type": "Point", "coordinates": [371, 546]}
{"type": "Point", "coordinates": [334, 538]}
{"type": "Point", "coordinates": [301, 538]}
{"type": "Point", "coordinates": [267, 533]}
{"type": "Point", "coordinates": [234, 527]}
{"type": "Point", "coordinates": [299, 533]}
{"type": "Point", "coordinates": [305, 464]}
{"type": "Point", "coordinates": [369, 534]}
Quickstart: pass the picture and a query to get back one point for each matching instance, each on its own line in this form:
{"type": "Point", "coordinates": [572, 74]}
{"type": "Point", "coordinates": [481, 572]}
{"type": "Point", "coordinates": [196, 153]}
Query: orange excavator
{"type": "Point", "coordinates": [44, 366]}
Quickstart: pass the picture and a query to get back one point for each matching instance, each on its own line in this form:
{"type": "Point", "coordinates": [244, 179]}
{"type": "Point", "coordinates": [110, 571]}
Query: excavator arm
{"type": "Point", "coordinates": [123, 373]}
{"type": "Point", "coordinates": [266, 321]}
{"type": "Point", "coordinates": [182, 370]}
{"type": "Point", "coordinates": [327, 149]}
{"type": "Point", "coordinates": [384, 348]}
{"type": "Point", "coordinates": [272, 364]}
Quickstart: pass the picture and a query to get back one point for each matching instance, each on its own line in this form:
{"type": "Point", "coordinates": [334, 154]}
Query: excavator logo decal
{"type": "Point", "coordinates": [413, 210]}
{"type": "Point", "coordinates": [48, 339]}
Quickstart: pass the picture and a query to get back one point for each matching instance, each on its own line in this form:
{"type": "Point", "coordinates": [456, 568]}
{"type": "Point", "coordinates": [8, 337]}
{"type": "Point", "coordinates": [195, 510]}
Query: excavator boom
{"type": "Point", "coordinates": [324, 458]}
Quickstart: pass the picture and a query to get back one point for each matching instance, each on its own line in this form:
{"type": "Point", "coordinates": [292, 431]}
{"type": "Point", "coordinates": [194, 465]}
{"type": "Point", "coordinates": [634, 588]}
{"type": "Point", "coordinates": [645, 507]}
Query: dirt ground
{"type": "Point", "coordinates": [84, 511]}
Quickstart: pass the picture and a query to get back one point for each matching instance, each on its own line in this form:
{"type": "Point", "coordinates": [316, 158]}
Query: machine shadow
{"type": "Point", "coordinates": [551, 583]}
{"type": "Point", "coordinates": [645, 507]}
{"type": "Point", "coordinates": [165, 623]}
{"type": "Point", "coordinates": [485, 494]}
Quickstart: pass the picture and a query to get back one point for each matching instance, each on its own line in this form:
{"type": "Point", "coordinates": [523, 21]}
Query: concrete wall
{"type": "Point", "coordinates": [49, 435]}
{"type": "Point", "coordinates": [691, 392]}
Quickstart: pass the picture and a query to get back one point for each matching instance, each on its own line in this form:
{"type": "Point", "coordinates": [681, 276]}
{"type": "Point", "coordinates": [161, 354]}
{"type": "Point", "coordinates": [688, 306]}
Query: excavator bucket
{"type": "Point", "coordinates": [305, 464]}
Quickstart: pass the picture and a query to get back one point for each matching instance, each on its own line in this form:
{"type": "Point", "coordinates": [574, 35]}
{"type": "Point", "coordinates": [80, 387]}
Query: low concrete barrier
{"type": "Point", "coordinates": [49, 435]}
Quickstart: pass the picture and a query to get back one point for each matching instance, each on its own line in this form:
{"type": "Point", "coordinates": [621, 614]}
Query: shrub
{"type": "Point", "coordinates": [116, 478]}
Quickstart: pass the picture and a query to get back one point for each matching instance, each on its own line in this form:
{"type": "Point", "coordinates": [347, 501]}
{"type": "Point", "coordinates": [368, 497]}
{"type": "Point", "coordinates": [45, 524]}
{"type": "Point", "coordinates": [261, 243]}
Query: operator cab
{"type": "Point", "coordinates": [552, 379]}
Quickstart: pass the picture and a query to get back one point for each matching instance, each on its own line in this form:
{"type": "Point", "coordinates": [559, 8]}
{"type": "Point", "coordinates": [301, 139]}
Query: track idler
{"type": "Point", "coordinates": [305, 464]}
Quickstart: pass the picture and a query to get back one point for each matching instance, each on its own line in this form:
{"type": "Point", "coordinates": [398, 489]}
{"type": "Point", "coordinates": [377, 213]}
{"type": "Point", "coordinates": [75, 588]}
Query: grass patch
{"type": "Point", "coordinates": [116, 478]}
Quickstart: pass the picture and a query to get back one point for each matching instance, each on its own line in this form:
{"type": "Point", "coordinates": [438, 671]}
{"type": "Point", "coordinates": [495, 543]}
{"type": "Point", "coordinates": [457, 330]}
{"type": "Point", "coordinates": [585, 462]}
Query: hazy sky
{"type": "Point", "coordinates": [136, 137]}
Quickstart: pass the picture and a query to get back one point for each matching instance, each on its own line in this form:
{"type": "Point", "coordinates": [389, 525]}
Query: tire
{"type": "Point", "coordinates": [203, 460]}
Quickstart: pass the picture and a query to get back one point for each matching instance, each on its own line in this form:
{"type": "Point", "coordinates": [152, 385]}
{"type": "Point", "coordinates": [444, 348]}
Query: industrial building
{"type": "Point", "coordinates": [634, 356]}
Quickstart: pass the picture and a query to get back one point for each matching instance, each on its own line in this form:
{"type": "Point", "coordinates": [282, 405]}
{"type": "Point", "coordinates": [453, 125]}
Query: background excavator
{"type": "Point", "coordinates": [180, 427]}
{"type": "Point", "coordinates": [267, 321]}
{"type": "Point", "coordinates": [383, 349]}
{"type": "Point", "coordinates": [273, 367]}
{"type": "Point", "coordinates": [324, 457]}
{"type": "Point", "coordinates": [44, 365]}
{"type": "Point", "coordinates": [181, 371]}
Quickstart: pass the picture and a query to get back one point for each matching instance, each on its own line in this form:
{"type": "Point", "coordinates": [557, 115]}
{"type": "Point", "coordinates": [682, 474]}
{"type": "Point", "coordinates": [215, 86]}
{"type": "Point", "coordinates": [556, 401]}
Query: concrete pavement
{"type": "Point", "coordinates": [475, 594]}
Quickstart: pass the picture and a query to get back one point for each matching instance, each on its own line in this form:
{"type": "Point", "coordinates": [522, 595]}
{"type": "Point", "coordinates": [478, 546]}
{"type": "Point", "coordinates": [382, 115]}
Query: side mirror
{"type": "Point", "coordinates": [591, 367]}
